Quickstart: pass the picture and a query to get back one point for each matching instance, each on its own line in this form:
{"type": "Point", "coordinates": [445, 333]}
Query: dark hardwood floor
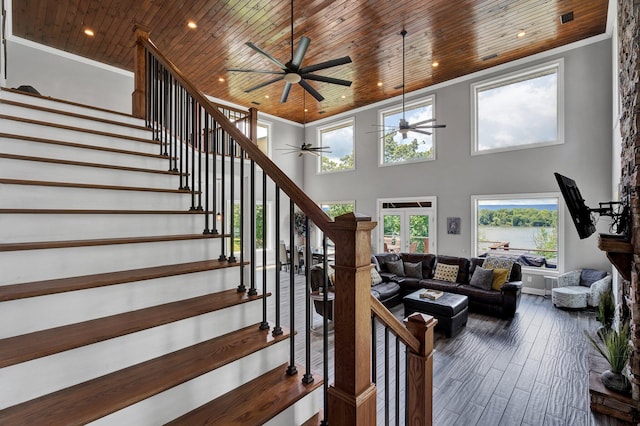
{"type": "Point", "coordinates": [531, 370]}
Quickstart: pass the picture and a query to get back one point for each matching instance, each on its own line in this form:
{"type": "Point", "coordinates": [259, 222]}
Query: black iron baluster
{"type": "Point", "coordinates": [277, 330]}
{"type": "Point", "coordinates": [252, 227]}
{"type": "Point", "coordinates": [398, 381]}
{"type": "Point", "coordinates": [308, 377]}
{"type": "Point", "coordinates": [386, 375]}
{"type": "Point", "coordinates": [325, 329]}
{"type": "Point", "coordinates": [232, 217]}
{"type": "Point", "coordinates": [214, 176]}
{"type": "Point", "coordinates": [207, 230]}
{"type": "Point", "coordinates": [374, 349]}
{"type": "Point", "coordinates": [241, 287]}
{"type": "Point", "coordinates": [200, 137]}
{"type": "Point", "coordinates": [223, 201]}
{"type": "Point", "coordinates": [265, 324]}
{"type": "Point", "coordinates": [165, 112]}
{"type": "Point", "coordinates": [182, 136]}
{"type": "Point", "coordinates": [291, 370]}
{"type": "Point", "coordinates": [147, 88]}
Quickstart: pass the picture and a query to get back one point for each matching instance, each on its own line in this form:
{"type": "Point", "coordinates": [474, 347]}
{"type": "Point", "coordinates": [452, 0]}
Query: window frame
{"type": "Point", "coordinates": [349, 122]}
{"type": "Point", "coordinates": [266, 125]}
{"type": "Point", "coordinates": [527, 196]}
{"type": "Point", "coordinates": [423, 101]}
{"type": "Point", "coordinates": [514, 77]}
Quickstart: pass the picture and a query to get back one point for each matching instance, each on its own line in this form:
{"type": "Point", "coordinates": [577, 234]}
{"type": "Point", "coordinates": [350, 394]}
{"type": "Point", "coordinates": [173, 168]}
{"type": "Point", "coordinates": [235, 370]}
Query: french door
{"type": "Point", "coordinates": [406, 226]}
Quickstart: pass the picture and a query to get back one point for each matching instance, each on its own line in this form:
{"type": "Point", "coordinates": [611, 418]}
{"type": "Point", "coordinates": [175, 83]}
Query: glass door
{"type": "Point", "coordinates": [406, 230]}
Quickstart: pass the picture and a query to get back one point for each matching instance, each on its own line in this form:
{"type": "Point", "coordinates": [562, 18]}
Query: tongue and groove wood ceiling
{"type": "Point", "coordinates": [463, 36]}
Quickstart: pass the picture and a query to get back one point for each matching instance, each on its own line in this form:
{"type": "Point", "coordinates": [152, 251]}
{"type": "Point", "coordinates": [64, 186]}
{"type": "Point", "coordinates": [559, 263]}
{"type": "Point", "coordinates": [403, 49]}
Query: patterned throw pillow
{"type": "Point", "coordinates": [395, 267]}
{"type": "Point", "coordinates": [482, 278]}
{"type": "Point", "coordinates": [375, 276]}
{"type": "Point", "coordinates": [446, 272]}
{"type": "Point", "coordinates": [413, 270]}
{"type": "Point", "coordinates": [493, 262]}
{"type": "Point", "coordinates": [499, 278]}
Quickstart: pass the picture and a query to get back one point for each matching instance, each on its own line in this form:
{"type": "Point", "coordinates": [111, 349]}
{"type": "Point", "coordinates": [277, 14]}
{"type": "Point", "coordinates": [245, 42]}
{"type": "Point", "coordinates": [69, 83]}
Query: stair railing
{"type": "Point", "coordinates": [204, 144]}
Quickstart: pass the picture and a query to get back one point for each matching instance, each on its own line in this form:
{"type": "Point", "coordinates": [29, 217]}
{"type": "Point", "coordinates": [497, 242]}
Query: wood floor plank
{"type": "Point", "coordinates": [537, 404]}
{"type": "Point", "coordinates": [493, 411]}
{"type": "Point", "coordinates": [514, 413]}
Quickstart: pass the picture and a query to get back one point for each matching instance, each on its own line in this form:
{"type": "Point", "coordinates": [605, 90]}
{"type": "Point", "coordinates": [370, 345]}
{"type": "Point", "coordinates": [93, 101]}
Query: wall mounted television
{"type": "Point", "coordinates": [580, 213]}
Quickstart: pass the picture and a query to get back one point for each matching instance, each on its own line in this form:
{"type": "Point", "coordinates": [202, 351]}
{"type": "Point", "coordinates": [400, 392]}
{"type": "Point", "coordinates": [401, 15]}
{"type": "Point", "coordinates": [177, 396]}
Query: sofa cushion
{"type": "Point", "coordinates": [395, 267]}
{"type": "Point", "coordinates": [413, 270]}
{"type": "Point", "coordinates": [482, 278]}
{"type": "Point", "coordinates": [493, 262]}
{"type": "Point", "coordinates": [428, 262]}
{"type": "Point", "coordinates": [446, 272]}
{"type": "Point", "coordinates": [479, 295]}
{"type": "Point", "coordinates": [375, 276]}
{"type": "Point", "coordinates": [439, 285]}
{"type": "Point", "coordinates": [385, 290]}
{"type": "Point", "coordinates": [463, 266]}
{"type": "Point", "coordinates": [499, 278]}
{"type": "Point", "coordinates": [590, 276]}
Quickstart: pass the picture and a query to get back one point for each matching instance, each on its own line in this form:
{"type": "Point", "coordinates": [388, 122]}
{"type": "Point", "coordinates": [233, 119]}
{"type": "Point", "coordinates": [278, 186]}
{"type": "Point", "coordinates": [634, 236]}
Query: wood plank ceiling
{"type": "Point", "coordinates": [463, 36]}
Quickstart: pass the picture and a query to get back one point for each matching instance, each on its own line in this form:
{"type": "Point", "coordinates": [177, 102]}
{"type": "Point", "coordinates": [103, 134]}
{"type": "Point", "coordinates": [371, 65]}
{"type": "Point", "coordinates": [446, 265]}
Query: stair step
{"type": "Point", "coordinates": [255, 402]}
{"type": "Point", "coordinates": [69, 106]}
{"type": "Point", "coordinates": [25, 347]}
{"type": "Point", "coordinates": [45, 245]}
{"type": "Point", "coordinates": [41, 288]}
{"type": "Point", "coordinates": [90, 186]}
{"type": "Point", "coordinates": [91, 400]}
{"type": "Point", "coordinates": [66, 117]}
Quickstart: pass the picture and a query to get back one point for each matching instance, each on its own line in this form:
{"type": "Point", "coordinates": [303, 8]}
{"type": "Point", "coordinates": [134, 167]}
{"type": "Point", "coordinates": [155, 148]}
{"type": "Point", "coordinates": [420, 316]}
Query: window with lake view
{"type": "Point", "coordinates": [524, 227]}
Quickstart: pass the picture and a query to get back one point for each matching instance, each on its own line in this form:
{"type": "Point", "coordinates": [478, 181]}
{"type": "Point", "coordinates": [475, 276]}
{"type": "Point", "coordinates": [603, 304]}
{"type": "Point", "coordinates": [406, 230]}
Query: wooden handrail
{"type": "Point", "coordinates": [304, 202]}
{"type": "Point", "coordinates": [391, 322]}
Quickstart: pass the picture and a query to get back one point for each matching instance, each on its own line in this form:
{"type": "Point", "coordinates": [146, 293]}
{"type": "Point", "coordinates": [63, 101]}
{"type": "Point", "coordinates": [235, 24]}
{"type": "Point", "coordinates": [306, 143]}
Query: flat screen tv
{"type": "Point", "coordinates": [580, 213]}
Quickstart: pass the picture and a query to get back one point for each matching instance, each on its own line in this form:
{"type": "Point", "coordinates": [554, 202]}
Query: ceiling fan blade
{"type": "Point", "coordinates": [421, 131]}
{"type": "Point", "coordinates": [325, 65]}
{"type": "Point", "coordinates": [432, 126]}
{"type": "Point", "coordinates": [300, 52]}
{"type": "Point", "coordinates": [261, 85]}
{"type": "Point", "coordinates": [313, 92]}
{"type": "Point", "coordinates": [424, 121]}
{"type": "Point", "coordinates": [265, 54]}
{"type": "Point", "coordinates": [285, 92]}
{"type": "Point", "coordinates": [260, 71]}
{"type": "Point", "coordinates": [327, 79]}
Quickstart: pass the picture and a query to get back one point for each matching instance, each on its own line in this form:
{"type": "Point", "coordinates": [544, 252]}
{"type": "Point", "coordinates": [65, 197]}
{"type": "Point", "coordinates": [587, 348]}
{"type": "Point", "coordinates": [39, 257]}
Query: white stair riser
{"type": "Point", "coordinates": [65, 120]}
{"type": "Point", "coordinates": [68, 135]}
{"type": "Point", "coordinates": [77, 109]}
{"type": "Point", "coordinates": [54, 172]}
{"type": "Point", "coordinates": [16, 228]}
{"type": "Point", "coordinates": [48, 374]}
{"type": "Point", "coordinates": [299, 412]}
{"type": "Point", "coordinates": [61, 152]}
{"type": "Point", "coordinates": [181, 399]}
{"type": "Point", "coordinates": [53, 197]}
{"type": "Point", "coordinates": [76, 306]}
{"type": "Point", "coordinates": [36, 265]}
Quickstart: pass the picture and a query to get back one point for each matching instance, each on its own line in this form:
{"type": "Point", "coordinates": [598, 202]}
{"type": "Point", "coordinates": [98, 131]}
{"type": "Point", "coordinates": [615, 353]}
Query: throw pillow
{"type": "Point", "coordinates": [590, 276]}
{"type": "Point", "coordinates": [413, 270]}
{"type": "Point", "coordinates": [499, 278]}
{"type": "Point", "coordinates": [395, 267]}
{"type": "Point", "coordinates": [375, 276]}
{"type": "Point", "coordinates": [482, 278]}
{"type": "Point", "coordinates": [493, 262]}
{"type": "Point", "coordinates": [446, 272]}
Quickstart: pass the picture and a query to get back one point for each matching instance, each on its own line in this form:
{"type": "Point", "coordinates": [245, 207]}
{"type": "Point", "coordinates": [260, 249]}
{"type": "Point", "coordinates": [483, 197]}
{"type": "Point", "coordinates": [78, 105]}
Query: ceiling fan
{"type": "Point", "coordinates": [404, 127]}
{"type": "Point", "coordinates": [306, 148]}
{"type": "Point", "coordinates": [293, 73]}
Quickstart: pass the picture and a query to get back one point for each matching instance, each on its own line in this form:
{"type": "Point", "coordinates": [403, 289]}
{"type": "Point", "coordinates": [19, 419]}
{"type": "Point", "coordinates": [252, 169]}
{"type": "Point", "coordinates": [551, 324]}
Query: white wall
{"type": "Point", "coordinates": [455, 175]}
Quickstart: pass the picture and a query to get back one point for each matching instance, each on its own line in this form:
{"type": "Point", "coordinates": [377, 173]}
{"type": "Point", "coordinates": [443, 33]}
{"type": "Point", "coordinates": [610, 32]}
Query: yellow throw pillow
{"type": "Point", "coordinates": [499, 278]}
{"type": "Point", "coordinates": [446, 272]}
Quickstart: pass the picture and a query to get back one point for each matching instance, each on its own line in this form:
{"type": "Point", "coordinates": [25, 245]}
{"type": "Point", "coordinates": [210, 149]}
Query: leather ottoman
{"type": "Point", "coordinates": [451, 310]}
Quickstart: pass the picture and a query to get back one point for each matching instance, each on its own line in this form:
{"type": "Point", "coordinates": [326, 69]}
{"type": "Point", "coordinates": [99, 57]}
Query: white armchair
{"type": "Point", "coordinates": [580, 288]}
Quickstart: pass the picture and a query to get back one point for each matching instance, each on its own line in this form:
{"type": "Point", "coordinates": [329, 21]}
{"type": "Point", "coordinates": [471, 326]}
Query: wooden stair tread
{"type": "Point", "coordinates": [86, 164]}
{"type": "Point", "coordinates": [61, 285]}
{"type": "Point", "coordinates": [64, 101]}
{"type": "Point", "coordinates": [78, 129]}
{"type": "Point", "coordinates": [104, 395]}
{"type": "Point", "coordinates": [255, 402]}
{"type": "Point", "coordinates": [74, 114]}
{"type": "Point", "coordinates": [44, 245]}
{"type": "Point", "coordinates": [92, 186]}
{"type": "Point", "coordinates": [97, 211]}
{"type": "Point", "coordinates": [25, 347]}
{"type": "Point", "coordinates": [79, 145]}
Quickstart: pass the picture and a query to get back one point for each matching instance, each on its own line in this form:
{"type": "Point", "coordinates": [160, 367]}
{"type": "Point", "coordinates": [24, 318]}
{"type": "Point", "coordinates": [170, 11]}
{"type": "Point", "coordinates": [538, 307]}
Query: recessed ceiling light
{"type": "Point", "coordinates": [221, 79]}
{"type": "Point", "coordinates": [192, 25]}
{"type": "Point", "coordinates": [306, 110]}
{"type": "Point", "coordinates": [521, 33]}
{"type": "Point", "coordinates": [379, 84]}
{"type": "Point", "coordinates": [343, 97]}
{"type": "Point", "coordinates": [435, 64]}
{"type": "Point", "coordinates": [266, 96]}
{"type": "Point", "coordinates": [89, 32]}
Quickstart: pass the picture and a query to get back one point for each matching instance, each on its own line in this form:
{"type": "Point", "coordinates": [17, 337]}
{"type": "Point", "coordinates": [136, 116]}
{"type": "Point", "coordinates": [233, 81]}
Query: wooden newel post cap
{"type": "Point", "coordinates": [421, 327]}
{"type": "Point", "coordinates": [141, 29]}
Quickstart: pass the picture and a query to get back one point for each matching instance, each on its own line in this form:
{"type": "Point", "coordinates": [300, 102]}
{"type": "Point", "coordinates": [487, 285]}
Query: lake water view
{"type": "Point", "coordinates": [518, 237]}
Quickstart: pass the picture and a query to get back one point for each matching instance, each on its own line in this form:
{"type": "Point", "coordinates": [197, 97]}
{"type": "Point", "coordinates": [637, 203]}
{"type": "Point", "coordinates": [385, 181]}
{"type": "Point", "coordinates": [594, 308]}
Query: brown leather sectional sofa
{"type": "Point", "coordinates": [502, 303]}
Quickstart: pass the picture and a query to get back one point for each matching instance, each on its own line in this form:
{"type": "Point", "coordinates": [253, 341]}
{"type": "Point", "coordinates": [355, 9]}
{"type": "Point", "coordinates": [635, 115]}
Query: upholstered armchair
{"type": "Point", "coordinates": [580, 288]}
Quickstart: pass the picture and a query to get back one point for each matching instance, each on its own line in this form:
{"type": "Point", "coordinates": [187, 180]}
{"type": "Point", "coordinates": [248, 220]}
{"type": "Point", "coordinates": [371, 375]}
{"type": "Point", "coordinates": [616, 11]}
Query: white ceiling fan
{"type": "Point", "coordinates": [404, 127]}
{"type": "Point", "coordinates": [305, 148]}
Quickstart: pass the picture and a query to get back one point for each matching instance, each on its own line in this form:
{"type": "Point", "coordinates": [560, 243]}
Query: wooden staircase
{"type": "Point", "coordinates": [114, 307]}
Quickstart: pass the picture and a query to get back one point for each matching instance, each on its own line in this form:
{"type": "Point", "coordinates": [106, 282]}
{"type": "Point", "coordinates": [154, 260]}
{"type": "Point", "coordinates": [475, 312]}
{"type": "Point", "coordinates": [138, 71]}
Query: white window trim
{"type": "Point", "coordinates": [530, 270]}
{"type": "Point", "coordinates": [317, 238]}
{"type": "Point", "coordinates": [557, 64]}
{"type": "Point", "coordinates": [343, 123]}
{"type": "Point", "coordinates": [268, 126]}
{"type": "Point", "coordinates": [398, 108]}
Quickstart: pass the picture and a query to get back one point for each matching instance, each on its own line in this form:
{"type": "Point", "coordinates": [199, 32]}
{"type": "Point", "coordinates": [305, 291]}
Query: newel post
{"type": "Point", "coordinates": [352, 397]}
{"type": "Point", "coordinates": [420, 370]}
{"type": "Point", "coordinates": [138, 97]}
{"type": "Point", "coordinates": [253, 125]}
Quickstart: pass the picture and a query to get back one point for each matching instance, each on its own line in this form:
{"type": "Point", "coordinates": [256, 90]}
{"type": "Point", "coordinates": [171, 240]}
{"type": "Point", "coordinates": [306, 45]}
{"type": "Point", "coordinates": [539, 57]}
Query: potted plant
{"type": "Point", "coordinates": [299, 224]}
{"type": "Point", "coordinates": [616, 350]}
{"type": "Point", "coordinates": [604, 313]}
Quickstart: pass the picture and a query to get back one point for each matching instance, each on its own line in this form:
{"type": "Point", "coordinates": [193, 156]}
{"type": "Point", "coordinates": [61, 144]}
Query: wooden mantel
{"type": "Point", "coordinates": [619, 252]}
